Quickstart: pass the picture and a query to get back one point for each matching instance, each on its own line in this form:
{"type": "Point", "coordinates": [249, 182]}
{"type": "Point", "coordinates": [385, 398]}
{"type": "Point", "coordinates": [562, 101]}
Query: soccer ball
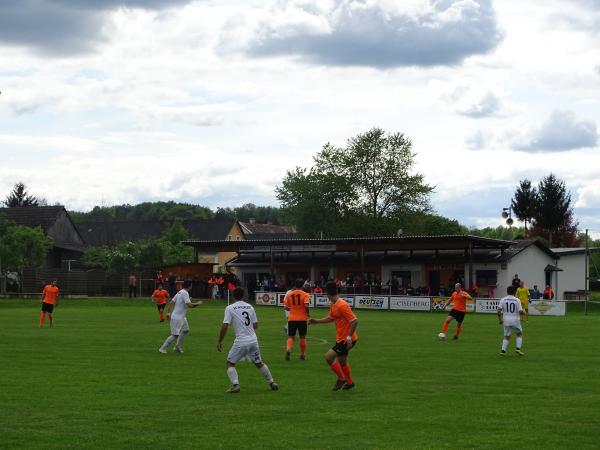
{"type": "Point", "coordinates": [442, 336]}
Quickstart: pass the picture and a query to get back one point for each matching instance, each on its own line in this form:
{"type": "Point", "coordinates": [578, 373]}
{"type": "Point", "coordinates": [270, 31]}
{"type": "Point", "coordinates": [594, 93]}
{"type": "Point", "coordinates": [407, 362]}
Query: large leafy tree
{"type": "Point", "coordinates": [553, 213]}
{"type": "Point", "coordinates": [20, 197]}
{"type": "Point", "coordinates": [524, 202]}
{"type": "Point", "coordinates": [21, 246]}
{"type": "Point", "coordinates": [364, 188]}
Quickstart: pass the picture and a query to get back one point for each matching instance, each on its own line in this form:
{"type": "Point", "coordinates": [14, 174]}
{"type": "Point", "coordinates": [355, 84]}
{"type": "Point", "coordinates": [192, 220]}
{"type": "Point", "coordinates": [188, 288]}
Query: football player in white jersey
{"type": "Point", "coordinates": [509, 315]}
{"type": "Point", "coordinates": [245, 345]}
{"type": "Point", "coordinates": [177, 314]}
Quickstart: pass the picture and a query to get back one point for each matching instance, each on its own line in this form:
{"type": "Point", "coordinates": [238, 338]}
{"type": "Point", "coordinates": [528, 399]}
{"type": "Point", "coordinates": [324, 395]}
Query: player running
{"type": "Point", "coordinates": [297, 302]}
{"type": "Point", "coordinates": [523, 294]}
{"type": "Point", "coordinates": [245, 345]}
{"type": "Point", "coordinates": [509, 315]}
{"type": "Point", "coordinates": [345, 337]}
{"type": "Point", "coordinates": [49, 300]}
{"type": "Point", "coordinates": [179, 325]}
{"type": "Point", "coordinates": [459, 308]}
{"type": "Point", "coordinates": [160, 296]}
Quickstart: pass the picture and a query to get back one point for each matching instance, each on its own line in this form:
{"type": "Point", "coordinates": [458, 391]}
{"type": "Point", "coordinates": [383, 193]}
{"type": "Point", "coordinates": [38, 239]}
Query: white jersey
{"type": "Point", "coordinates": [243, 318]}
{"type": "Point", "coordinates": [181, 299]}
{"type": "Point", "coordinates": [510, 307]}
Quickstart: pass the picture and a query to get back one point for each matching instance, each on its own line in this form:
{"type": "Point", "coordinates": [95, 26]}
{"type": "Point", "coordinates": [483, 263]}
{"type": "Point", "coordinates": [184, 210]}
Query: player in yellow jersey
{"type": "Point", "coordinates": [524, 295]}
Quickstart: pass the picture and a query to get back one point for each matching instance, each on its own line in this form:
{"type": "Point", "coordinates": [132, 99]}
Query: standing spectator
{"type": "Point", "coordinates": [548, 293]}
{"type": "Point", "coordinates": [536, 294]}
{"type": "Point", "coordinates": [221, 285]}
{"type": "Point", "coordinates": [132, 283]}
{"type": "Point", "coordinates": [394, 284]}
{"type": "Point", "coordinates": [160, 278]}
{"type": "Point", "coordinates": [516, 282]}
{"type": "Point", "coordinates": [172, 284]}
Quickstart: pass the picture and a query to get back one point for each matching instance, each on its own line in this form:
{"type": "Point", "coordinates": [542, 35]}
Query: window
{"type": "Point", "coordinates": [485, 278]}
{"type": "Point", "coordinates": [237, 238]}
{"type": "Point", "coordinates": [228, 237]}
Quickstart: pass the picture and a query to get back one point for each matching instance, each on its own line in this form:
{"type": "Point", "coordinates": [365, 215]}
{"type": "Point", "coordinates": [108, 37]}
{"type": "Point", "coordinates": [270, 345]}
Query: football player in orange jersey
{"type": "Point", "coordinates": [160, 296]}
{"type": "Point", "coordinates": [49, 300]}
{"type": "Point", "coordinates": [345, 337]}
{"type": "Point", "coordinates": [297, 302]}
{"type": "Point", "coordinates": [459, 309]}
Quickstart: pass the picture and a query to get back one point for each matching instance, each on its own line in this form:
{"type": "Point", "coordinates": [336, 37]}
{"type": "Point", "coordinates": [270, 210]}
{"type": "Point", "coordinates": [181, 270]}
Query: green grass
{"type": "Point", "coordinates": [96, 380]}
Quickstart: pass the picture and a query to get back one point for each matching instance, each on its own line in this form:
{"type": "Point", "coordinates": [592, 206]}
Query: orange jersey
{"type": "Point", "coordinates": [459, 300]}
{"type": "Point", "coordinates": [342, 314]}
{"type": "Point", "coordinates": [161, 296]}
{"type": "Point", "coordinates": [297, 301]}
{"type": "Point", "coordinates": [49, 294]}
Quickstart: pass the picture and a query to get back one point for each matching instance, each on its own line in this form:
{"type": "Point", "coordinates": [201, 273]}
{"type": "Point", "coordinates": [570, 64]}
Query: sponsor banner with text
{"type": "Point", "coordinates": [410, 303]}
{"type": "Point", "coordinates": [321, 301]}
{"type": "Point", "coordinates": [487, 305]}
{"type": "Point", "coordinates": [547, 308]}
{"type": "Point", "coordinates": [371, 302]}
{"type": "Point", "coordinates": [266, 298]}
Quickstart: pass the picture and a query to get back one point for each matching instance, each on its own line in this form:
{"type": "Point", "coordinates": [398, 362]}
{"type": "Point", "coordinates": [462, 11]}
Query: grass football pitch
{"type": "Point", "coordinates": [97, 380]}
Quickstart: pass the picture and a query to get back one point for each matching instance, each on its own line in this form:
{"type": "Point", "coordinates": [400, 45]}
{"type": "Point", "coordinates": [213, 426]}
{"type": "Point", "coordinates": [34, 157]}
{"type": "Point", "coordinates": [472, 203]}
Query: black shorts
{"type": "Point", "coordinates": [458, 315]}
{"type": "Point", "coordinates": [341, 348]}
{"type": "Point", "coordinates": [47, 307]}
{"type": "Point", "coordinates": [161, 307]}
{"type": "Point", "coordinates": [297, 325]}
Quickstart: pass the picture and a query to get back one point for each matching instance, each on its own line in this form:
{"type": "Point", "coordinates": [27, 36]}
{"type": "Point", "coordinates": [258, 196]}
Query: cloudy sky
{"type": "Point", "coordinates": [211, 101]}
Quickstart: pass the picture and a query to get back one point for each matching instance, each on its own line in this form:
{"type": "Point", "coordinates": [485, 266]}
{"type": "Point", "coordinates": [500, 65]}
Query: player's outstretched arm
{"type": "Point", "coordinates": [222, 334]}
{"type": "Point", "coordinates": [194, 304]}
{"type": "Point", "coordinates": [323, 320]}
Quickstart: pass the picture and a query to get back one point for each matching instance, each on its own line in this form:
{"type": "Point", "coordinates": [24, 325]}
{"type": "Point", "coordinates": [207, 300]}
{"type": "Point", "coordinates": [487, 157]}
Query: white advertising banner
{"type": "Point", "coordinates": [487, 305]}
{"type": "Point", "coordinates": [410, 303]}
{"type": "Point", "coordinates": [371, 302]}
{"type": "Point", "coordinates": [266, 298]}
{"type": "Point", "coordinates": [547, 308]}
{"type": "Point", "coordinates": [321, 301]}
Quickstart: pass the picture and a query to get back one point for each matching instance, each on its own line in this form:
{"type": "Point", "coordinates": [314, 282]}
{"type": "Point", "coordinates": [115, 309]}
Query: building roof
{"type": "Point", "coordinates": [574, 250]}
{"type": "Point", "coordinates": [520, 245]}
{"type": "Point", "coordinates": [112, 232]}
{"type": "Point", "coordinates": [265, 229]}
{"type": "Point", "coordinates": [339, 244]}
{"type": "Point", "coordinates": [33, 216]}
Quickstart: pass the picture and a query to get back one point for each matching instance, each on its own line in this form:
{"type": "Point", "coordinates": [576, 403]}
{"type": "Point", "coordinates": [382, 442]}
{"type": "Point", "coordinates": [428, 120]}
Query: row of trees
{"type": "Point", "coordinates": [548, 211]}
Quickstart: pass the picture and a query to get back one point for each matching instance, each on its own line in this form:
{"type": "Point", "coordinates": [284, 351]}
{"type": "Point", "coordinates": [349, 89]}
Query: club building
{"type": "Point", "coordinates": [434, 262]}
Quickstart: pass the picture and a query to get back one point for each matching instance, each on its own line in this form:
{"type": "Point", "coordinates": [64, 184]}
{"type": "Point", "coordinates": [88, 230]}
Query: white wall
{"type": "Point", "coordinates": [529, 265]}
{"type": "Point", "coordinates": [573, 276]}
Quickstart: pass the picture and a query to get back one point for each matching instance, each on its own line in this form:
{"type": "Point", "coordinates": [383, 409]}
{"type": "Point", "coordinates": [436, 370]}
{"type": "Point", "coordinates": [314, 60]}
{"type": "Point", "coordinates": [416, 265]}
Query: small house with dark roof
{"type": "Point", "coordinates": [55, 222]}
{"type": "Point", "coordinates": [110, 233]}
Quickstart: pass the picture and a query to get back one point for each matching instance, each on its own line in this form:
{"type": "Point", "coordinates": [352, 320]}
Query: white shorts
{"type": "Point", "coordinates": [509, 326]}
{"type": "Point", "coordinates": [179, 326]}
{"type": "Point", "coordinates": [248, 352]}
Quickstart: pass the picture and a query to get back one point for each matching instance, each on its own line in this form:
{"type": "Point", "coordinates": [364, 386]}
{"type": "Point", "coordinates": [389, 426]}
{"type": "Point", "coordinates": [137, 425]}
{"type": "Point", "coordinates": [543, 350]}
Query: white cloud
{"type": "Point", "coordinates": [560, 132]}
{"type": "Point", "coordinates": [377, 34]}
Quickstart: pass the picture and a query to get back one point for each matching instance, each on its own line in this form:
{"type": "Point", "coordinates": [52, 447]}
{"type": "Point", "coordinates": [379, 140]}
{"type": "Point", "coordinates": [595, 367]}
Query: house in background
{"type": "Point", "coordinates": [110, 233]}
{"type": "Point", "coordinates": [67, 243]}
